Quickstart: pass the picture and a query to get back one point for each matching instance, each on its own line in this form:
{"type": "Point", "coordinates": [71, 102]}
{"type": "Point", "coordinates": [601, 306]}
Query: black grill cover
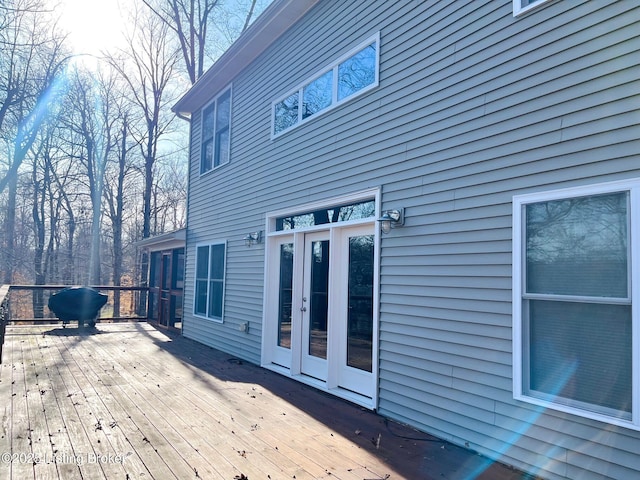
{"type": "Point", "coordinates": [77, 303]}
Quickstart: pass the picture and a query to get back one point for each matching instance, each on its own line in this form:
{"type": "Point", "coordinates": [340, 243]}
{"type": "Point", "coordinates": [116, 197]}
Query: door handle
{"type": "Point", "coordinates": [303, 309]}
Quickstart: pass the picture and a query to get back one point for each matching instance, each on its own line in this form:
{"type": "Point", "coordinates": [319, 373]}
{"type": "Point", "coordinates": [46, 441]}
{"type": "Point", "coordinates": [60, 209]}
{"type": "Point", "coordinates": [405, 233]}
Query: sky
{"type": "Point", "coordinates": [93, 25]}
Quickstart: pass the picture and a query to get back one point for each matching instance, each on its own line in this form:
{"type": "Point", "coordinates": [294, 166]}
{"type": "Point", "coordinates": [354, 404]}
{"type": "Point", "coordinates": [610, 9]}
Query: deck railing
{"type": "Point", "coordinates": [27, 304]}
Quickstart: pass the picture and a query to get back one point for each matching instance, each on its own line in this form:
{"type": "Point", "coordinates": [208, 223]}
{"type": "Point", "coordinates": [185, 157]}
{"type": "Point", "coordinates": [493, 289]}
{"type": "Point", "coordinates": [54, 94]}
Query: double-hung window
{"type": "Point", "coordinates": [575, 294]}
{"type": "Point", "coordinates": [216, 132]}
{"type": "Point", "coordinates": [210, 279]}
{"type": "Point", "coordinates": [351, 75]}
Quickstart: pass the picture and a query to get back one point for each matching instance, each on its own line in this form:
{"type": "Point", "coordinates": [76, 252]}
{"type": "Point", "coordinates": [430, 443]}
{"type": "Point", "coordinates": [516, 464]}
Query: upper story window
{"type": "Point", "coordinates": [216, 129]}
{"type": "Point", "coordinates": [522, 6]}
{"type": "Point", "coordinates": [351, 75]}
{"type": "Point", "coordinates": [575, 310]}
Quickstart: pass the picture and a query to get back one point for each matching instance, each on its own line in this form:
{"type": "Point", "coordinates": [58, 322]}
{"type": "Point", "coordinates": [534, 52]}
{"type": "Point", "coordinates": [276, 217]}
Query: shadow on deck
{"type": "Point", "coordinates": [129, 401]}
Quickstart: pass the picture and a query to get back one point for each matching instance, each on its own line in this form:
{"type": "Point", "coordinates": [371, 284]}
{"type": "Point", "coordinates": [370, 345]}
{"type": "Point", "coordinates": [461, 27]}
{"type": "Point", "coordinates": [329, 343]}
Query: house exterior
{"type": "Point", "coordinates": [498, 306]}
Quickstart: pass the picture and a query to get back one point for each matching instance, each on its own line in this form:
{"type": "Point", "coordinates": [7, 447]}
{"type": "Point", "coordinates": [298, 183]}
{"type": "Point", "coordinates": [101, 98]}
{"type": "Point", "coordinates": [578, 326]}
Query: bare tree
{"type": "Point", "coordinates": [92, 124]}
{"type": "Point", "coordinates": [189, 20]}
{"type": "Point", "coordinates": [147, 66]}
{"type": "Point", "coordinates": [193, 22]}
{"type": "Point", "coordinates": [119, 170]}
{"type": "Point", "coordinates": [44, 213]}
{"type": "Point", "coordinates": [170, 194]}
{"type": "Point", "coordinates": [32, 62]}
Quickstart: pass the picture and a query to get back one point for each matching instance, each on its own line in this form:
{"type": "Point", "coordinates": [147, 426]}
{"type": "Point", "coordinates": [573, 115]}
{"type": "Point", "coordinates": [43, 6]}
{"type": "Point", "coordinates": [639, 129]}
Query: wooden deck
{"type": "Point", "coordinates": [126, 401]}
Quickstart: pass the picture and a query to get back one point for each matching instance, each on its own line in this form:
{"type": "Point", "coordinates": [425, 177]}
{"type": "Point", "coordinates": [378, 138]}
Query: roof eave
{"type": "Point", "coordinates": [157, 242]}
{"type": "Point", "coordinates": [267, 28]}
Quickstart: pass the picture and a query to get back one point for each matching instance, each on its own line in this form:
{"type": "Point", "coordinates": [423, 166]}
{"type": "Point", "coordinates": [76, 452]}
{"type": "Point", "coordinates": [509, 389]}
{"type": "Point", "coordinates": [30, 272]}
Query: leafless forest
{"type": "Point", "coordinates": [91, 157]}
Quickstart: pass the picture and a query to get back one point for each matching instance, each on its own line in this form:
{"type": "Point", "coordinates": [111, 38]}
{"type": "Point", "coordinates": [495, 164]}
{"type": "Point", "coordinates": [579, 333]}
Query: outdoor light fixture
{"type": "Point", "coordinates": [391, 218]}
{"type": "Point", "coordinates": [253, 238]}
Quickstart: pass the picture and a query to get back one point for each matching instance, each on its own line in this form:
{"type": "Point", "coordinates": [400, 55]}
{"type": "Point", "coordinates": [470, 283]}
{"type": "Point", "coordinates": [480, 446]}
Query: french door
{"type": "Point", "coordinates": [314, 309]}
{"type": "Point", "coordinates": [320, 320]}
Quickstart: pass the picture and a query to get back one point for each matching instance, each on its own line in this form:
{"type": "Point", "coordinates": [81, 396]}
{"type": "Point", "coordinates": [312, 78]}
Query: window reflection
{"type": "Point", "coordinates": [215, 128]}
{"type": "Point", "coordinates": [335, 83]}
{"type": "Point", "coordinates": [285, 301]}
{"type": "Point", "coordinates": [286, 113]}
{"type": "Point", "coordinates": [223, 120]}
{"type": "Point", "coordinates": [206, 161]}
{"type": "Point", "coordinates": [317, 95]}
{"type": "Point", "coordinates": [360, 303]}
{"type": "Point", "coordinates": [578, 246]}
{"type": "Point", "coordinates": [357, 72]}
{"type": "Point", "coordinates": [342, 213]}
{"type": "Point", "coordinates": [319, 299]}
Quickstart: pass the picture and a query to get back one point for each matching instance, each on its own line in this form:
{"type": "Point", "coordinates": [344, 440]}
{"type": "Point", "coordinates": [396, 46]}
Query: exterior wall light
{"type": "Point", "coordinates": [253, 238]}
{"type": "Point", "coordinates": [390, 219]}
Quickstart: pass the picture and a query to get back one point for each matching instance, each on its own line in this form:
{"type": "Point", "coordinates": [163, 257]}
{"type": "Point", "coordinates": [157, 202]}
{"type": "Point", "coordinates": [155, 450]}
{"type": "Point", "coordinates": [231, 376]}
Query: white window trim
{"type": "Point", "coordinates": [224, 280]}
{"type": "Point", "coordinates": [335, 102]}
{"type": "Point", "coordinates": [519, 9]}
{"type": "Point", "coordinates": [633, 187]}
{"type": "Point", "coordinates": [229, 89]}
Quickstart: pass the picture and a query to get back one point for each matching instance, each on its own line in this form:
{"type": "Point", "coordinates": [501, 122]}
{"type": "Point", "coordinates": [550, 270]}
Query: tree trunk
{"type": "Point", "coordinates": [8, 253]}
{"type": "Point", "coordinates": [38, 254]}
{"type": "Point", "coordinates": [117, 221]}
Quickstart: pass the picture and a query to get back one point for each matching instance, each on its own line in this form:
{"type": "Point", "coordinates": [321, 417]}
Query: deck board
{"type": "Point", "coordinates": [130, 401]}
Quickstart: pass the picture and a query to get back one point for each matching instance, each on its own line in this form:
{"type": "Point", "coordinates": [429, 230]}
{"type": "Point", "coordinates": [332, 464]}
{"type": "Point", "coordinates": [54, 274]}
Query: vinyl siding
{"type": "Point", "coordinates": [473, 107]}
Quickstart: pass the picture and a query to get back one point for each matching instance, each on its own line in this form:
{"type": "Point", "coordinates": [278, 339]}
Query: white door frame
{"type": "Point", "coordinates": [287, 361]}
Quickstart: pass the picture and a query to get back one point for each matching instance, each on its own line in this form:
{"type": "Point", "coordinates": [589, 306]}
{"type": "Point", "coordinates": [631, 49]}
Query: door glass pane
{"type": "Point", "coordinates": [360, 303]}
{"type": "Point", "coordinates": [319, 293]}
{"type": "Point", "coordinates": [154, 276]}
{"type": "Point", "coordinates": [166, 272]}
{"type": "Point", "coordinates": [286, 295]}
{"type": "Point", "coordinates": [178, 268]}
{"type": "Point", "coordinates": [153, 305]}
{"type": "Point", "coordinates": [578, 246]}
{"type": "Point", "coordinates": [581, 353]}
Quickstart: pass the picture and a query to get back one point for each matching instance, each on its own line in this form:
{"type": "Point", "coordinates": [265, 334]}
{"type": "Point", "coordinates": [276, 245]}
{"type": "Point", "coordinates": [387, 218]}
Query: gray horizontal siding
{"type": "Point", "coordinates": [474, 106]}
{"type": "Point", "coordinates": [509, 144]}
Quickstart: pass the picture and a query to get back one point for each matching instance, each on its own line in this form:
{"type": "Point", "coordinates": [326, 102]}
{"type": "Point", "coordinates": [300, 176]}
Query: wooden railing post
{"type": "Point", "coordinates": [4, 314]}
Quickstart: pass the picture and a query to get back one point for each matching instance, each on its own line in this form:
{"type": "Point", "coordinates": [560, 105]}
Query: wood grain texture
{"type": "Point", "coordinates": [129, 401]}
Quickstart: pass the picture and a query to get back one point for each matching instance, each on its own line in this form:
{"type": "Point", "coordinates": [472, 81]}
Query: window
{"type": "Point", "coordinates": [353, 74]}
{"type": "Point", "coordinates": [216, 139]}
{"type": "Point", "coordinates": [574, 348]}
{"type": "Point", "coordinates": [209, 291]}
{"type": "Point", "coordinates": [522, 6]}
{"type": "Point", "coordinates": [342, 213]}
